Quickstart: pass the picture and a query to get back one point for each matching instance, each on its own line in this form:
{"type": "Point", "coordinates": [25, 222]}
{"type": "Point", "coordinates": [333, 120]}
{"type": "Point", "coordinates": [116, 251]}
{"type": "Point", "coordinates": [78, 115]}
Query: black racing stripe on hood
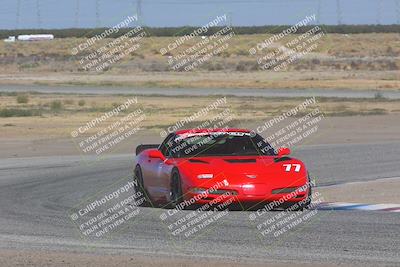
{"type": "Point", "coordinates": [241, 160]}
{"type": "Point", "coordinates": [198, 161]}
{"type": "Point", "coordinates": [282, 159]}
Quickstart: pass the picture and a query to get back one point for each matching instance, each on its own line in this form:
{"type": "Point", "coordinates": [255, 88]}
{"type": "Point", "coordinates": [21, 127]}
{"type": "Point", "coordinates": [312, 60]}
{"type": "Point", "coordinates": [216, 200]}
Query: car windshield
{"type": "Point", "coordinates": [219, 144]}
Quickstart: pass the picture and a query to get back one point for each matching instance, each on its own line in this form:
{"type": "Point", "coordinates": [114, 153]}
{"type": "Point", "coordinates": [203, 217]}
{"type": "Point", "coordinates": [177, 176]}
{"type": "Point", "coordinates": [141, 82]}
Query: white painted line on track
{"type": "Point", "coordinates": [358, 206]}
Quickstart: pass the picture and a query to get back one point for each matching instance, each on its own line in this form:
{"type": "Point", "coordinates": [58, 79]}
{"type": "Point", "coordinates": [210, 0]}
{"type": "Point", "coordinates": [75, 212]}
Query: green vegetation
{"type": "Point", "coordinates": [14, 112]}
{"type": "Point", "coordinates": [159, 106]}
{"type": "Point", "coordinates": [180, 31]}
{"type": "Point", "coordinates": [81, 103]}
{"type": "Point", "coordinates": [68, 102]}
{"type": "Point", "coordinates": [22, 99]}
{"type": "Point", "coordinates": [114, 105]}
{"type": "Point", "coordinates": [56, 105]}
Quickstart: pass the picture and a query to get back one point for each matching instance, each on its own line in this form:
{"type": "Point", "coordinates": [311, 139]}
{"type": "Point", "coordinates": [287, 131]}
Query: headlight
{"type": "Point", "coordinates": [205, 176]}
{"type": "Point", "coordinates": [248, 186]}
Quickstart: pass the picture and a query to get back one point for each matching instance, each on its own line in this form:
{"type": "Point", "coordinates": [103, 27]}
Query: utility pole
{"type": "Point", "coordinates": [77, 6]}
{"type": "Point", "coordinates": [97, 14]}
{"type": "Point", "coordinates": [139, 10]}
{"type": "Point", "coordinates": [18, 14]}
{"type": "Point", "coordinates": [339, 12]}
{"type": "Point", "coordinates": [379, 12]}
{"type": "Point", "coordinates": [319, 12]}
{"type": "Point", "coordinates": [398, 11]}
{"type": "Point", "coordinates": [38, 15]}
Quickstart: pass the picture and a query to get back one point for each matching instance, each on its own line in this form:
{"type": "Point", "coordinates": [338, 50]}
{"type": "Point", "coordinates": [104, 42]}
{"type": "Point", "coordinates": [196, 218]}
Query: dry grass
{"type": "Point", "coordinates": [161, 112]}
{"type": "Point", "coordinates": [358, 80]}
{"type": "Point", "coordinates": [358, 61]}
{"type": "Point", "coordinates": [338, 45]}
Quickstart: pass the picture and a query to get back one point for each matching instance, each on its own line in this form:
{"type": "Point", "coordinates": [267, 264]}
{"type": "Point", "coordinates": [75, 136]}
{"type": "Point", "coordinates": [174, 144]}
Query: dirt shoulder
{"type": "Point", "coordinates": [50, 137]}
{"type": "Point", "coordinates": [382, 191]}
{"type": "Point", "coordinates": [334, 130]}
{"type": "Point", "coordinates": [52, 258]}
{"type": "Point", "coordinates": [356, 80]}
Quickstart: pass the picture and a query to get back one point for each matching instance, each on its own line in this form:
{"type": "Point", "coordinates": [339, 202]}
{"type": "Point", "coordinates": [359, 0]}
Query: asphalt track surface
{"type": "Point", "coordinates": [37, 193]}
{"type": "Point", "coordinates": [287, 93]}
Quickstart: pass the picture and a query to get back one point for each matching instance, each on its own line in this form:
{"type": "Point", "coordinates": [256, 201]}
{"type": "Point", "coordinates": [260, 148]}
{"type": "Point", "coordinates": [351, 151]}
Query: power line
{"type": "Point", "coordinates": [377, 16]}
{"type": "Point", "coordinates": [185, 2]}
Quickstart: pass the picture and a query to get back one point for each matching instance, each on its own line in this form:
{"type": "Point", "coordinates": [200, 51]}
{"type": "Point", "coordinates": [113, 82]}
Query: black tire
{"type": "Point", "coordinates": [176, 189]}
{"type": "Point", "coordinates": [139, 187]}
{"type": "Point", "coordinates": [305, 204]}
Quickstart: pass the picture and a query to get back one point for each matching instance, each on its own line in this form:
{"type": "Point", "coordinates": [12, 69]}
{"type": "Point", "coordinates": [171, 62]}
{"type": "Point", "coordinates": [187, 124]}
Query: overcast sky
{"type": "Point", "coordinates": [68, 13]}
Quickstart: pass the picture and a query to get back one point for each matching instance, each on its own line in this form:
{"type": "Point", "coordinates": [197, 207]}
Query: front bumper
{"type": "Point", "coordinates": [259, 193]}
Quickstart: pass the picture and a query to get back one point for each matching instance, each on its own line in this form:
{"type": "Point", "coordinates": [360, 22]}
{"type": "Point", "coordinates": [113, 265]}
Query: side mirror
{"type": "Point", "coordinates": [283, 151]}
{"type": "Point", "coordinates": [156, 154]}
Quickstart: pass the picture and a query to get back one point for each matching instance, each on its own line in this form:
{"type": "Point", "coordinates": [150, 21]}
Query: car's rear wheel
{"type": "Point", "coordinates": [139, 187]}
{"type": "Point", "coordinates": [176, 189]}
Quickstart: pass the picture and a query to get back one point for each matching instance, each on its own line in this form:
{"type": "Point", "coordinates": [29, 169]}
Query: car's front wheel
{"type": "Point", "coordinates": [304, 204]}
{"type": "Point", "coordinates": [139, 187]}
{"type": "Point", "coordinates": [176, 194]}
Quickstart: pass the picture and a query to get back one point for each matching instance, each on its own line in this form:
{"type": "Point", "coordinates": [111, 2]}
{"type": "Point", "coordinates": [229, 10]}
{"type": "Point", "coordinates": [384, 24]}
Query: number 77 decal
{"type": "Point", "coordinates": [289, 167]}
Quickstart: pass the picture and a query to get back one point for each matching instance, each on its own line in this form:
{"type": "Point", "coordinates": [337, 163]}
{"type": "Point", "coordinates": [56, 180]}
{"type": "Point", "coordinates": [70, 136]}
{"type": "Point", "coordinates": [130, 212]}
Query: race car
{"type": "Point", "coordinates": [200, 166]}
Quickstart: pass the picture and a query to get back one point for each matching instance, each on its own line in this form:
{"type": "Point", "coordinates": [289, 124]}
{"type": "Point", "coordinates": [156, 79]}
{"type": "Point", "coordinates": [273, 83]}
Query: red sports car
{"type": "Point", "coordinates": [199, 166]}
